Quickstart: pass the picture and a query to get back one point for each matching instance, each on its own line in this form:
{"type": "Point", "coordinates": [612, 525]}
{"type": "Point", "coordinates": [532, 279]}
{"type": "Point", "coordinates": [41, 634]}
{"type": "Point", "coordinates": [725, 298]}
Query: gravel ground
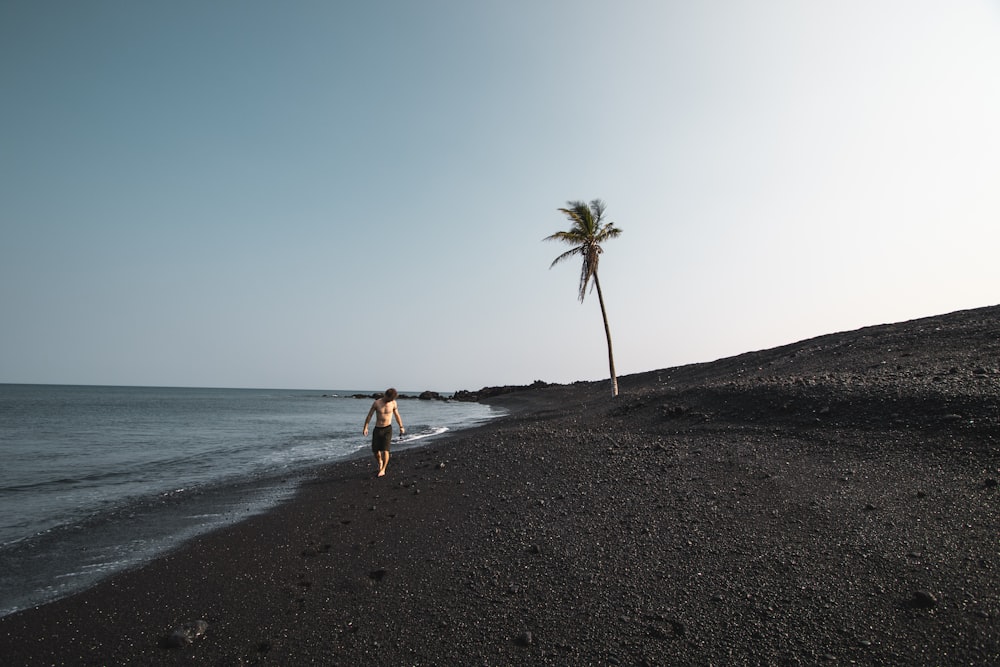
{"type": "Point", "coordinates": [834, 501]}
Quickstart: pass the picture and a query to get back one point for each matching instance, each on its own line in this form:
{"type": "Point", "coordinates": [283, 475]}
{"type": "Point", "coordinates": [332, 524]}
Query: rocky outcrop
{"type": "Point", "coordinates": [423, 396]}
{"type": "Point", "coordinates": [490, 392]}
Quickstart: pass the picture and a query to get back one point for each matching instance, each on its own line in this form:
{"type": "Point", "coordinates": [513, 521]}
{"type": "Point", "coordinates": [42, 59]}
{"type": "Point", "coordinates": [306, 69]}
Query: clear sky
{"type": "Point", "coordinates": [320, 194]}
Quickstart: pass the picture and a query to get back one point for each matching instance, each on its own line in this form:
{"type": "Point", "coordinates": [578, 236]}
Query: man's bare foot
{"type": "Point", "coordinates": [381, 473]}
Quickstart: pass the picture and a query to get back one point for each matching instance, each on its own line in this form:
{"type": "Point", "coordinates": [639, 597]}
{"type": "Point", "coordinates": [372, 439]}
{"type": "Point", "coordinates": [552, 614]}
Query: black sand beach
{"type": "Point", "coordinates": [834, 501]}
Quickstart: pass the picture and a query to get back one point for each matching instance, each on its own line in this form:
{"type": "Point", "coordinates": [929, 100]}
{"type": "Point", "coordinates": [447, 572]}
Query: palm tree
{"type": "Point", "coordinates": [586, 234]}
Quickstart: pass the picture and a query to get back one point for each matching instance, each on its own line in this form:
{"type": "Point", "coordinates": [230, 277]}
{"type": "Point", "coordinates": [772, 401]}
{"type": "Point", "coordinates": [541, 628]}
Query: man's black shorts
{"type": "Point", "coordinates": [381, 437]}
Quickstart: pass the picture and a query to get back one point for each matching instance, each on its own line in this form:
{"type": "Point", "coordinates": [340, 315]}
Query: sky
{"type": "Point", "coordinates": [353, 195]}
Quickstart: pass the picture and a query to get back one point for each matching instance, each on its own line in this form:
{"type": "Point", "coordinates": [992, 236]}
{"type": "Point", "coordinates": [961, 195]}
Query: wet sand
{"type": "Point", "coordinates": [827, 502]}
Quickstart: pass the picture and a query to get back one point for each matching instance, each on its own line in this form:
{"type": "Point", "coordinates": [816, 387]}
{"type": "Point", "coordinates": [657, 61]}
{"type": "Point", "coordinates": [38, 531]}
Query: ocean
{"type": "Point", "coordinates": [95, 480]}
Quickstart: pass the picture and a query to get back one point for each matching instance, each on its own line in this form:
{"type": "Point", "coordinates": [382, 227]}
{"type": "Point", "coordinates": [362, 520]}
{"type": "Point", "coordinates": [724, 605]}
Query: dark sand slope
{"type": "Point", "coordinates": [833, 501]}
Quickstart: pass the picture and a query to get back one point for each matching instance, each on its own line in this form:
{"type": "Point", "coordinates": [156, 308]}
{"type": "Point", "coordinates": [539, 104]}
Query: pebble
{"type": "Point", "coordinates": [186, 634]}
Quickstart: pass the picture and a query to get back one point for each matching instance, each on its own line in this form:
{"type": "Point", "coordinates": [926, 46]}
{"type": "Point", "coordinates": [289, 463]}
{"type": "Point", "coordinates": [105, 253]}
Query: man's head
{"type": "Point", "coordinates": [391, 394]}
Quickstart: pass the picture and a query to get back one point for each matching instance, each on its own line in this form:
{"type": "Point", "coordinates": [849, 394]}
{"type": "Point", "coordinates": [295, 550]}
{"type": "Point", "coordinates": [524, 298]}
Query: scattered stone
{"type": "Point", "coordinates": [666, 629]}
{"type": "Point", "coordinates": [186, 634]}
{"type": "Point", "coordinates": [924, 600]}
{"type": "Point", "coordinates": [377, 575]}
{"type": "Point", "coordinates": [525, 639]}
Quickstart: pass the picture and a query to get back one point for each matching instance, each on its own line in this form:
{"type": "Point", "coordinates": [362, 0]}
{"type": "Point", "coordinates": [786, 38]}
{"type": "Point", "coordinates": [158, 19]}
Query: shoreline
{"type": "Point", "coordinates": [26, 634]}
{"type": "Point", "coordinates": [829, 501]}
{"type": "Point", "coordinates": [171, 464]}
{"type": "Point", "coordinates": [146, 528]}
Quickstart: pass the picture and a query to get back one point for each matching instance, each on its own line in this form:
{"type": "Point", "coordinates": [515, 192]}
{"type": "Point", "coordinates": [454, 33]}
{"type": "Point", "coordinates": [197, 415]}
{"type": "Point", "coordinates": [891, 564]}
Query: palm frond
{"type": "Point", "coordinates": [571, 237]}
{"type": "Point", "coordinates": [566, 255]}
{"type": "Point", "coordinates": [597, 207]}
{"type": "Point", "coordinates": [587, 271]}
{"type": "Point", "coordinates": [609, 231]}
{"type": "Point", "coordinates": [580, 216]}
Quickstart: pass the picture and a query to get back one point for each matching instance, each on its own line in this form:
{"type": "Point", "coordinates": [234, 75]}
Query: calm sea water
{"type": "Point", "coordinates": [98, 479]}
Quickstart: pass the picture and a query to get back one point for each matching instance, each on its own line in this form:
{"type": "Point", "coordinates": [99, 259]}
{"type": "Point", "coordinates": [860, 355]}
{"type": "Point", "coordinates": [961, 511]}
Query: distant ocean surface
{"type": "Point", "coordinates": [94, 480]}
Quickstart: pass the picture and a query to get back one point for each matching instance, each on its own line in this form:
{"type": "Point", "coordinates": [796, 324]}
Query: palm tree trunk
{"type": "Point", "coordinates": [607, 333]}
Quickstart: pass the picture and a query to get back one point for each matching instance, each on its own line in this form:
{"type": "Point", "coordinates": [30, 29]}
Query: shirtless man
{"type": "Point", "coordinates": [385, 408]}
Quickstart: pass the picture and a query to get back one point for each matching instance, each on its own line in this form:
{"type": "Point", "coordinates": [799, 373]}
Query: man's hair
{"type": "Point", "coordinates": [391, 393]}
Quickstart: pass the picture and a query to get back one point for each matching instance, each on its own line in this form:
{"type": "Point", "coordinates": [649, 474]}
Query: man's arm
{"type": "Point", "coordinates": [369, 418]}
{"type": "Point", "coordinates": [395, 411]}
